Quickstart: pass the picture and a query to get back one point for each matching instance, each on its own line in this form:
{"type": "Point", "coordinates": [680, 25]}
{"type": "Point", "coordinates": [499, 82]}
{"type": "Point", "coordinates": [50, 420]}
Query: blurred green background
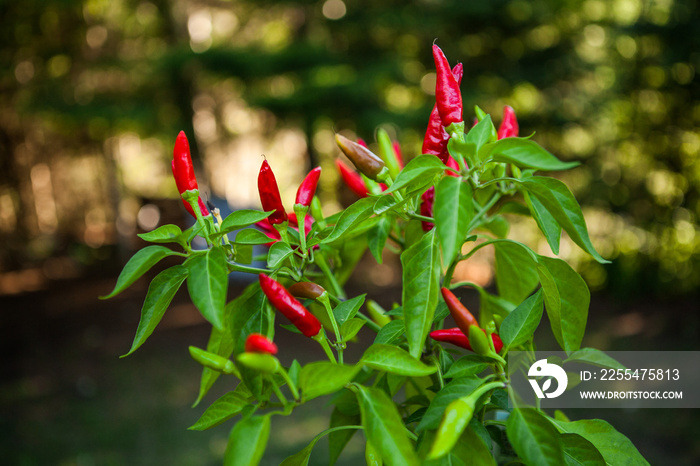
{"type": "Point", "coordinates": [94, 92]}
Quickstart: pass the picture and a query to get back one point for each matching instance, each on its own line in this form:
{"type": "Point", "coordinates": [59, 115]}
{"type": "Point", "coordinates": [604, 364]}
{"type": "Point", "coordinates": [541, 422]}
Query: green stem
{"type": "Point", "coordinates": [340, 345]}
{"type": "Point", "coordinates": [278, 392]}
{"type": "Point", "coordinates": [370, 323]}
{"type": "Point", "coordinates": [290, 383]}
{"type": "Point", "coordinates": [323, 341]}
{"type": "Point", "coordinates": [320, 260]}
{"type": "Point", "coordinates": [301, 217]}
{"type": "Point", "coordinates": [421, 217]}
{"type": "Point", "coordinates": [484, 210]}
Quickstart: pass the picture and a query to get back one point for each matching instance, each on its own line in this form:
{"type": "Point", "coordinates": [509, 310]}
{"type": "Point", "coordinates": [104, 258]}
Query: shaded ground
{"type": "Point", "coordinates": [66, 398]}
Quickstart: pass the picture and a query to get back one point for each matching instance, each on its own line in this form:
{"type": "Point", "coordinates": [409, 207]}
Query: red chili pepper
{"type": "Point", "coordinates": [426, 207]}
{"type": "Point", "coordinates": [270, 194]}
{"type": "Point", "coordinates": [352, 179]}
{"type": "Point", "coordinates": [292, 309]}
{"type": "Point", "coordinates": [452, 163]}
{"type": "Point", "coordinates": [256, 343]}
{"type": "Point", "coordinates": [463, 318]}
{"type": "Point", "coordinates": [456, 337]}
{"type": "Point", "coordinates": [362, 142]}
{"type": "Point", "coordinates": [436, 138]}
{"type": "Point", "coordinates": [447, 93]}
{"type": "Point", "coordinates": [397, 151]}
{"type": "Point", "coordinates": [509, 125]}
{"type": "Point", "coordinates": [274, 235]}
{"type": "Point", "coordinates": [364, 159]}
{"type": "Point", "coordinates": [307, 188]}
{"type": "Point", "coordinates": [183, 172]}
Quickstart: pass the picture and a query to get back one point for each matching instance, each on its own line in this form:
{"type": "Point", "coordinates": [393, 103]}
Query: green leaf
{"type": "Point", "coordinates": [393, 359]}
{"type": "Point", "coordinates": [247, 442]}
{"type": "Point", "coordinates": [350, 328]}
{"type": "Point", "coordinates": [240, 219]}
{"type": "Point", "coordinates": [479, 134]}
{"type": "Point", "coordinates": [377, 238]}
{"type": "Point", "coordinates": [277, 254]}
{"type": "Point", "coordinates": [421, 275]}
{"type": "Point", "coordinates": [457, 388]}
{"type": "Point", "coordinates": [516, 271]}
{"type": "Point", "coordinates": [351, 217]}
{"type": "Point", "coordinates": [338, 439]}
{"type": "Point", "coordinates": [546, 223]}
{"type": "Point", "coordinates": [348, 309]}
{"type": "Point", "coordinates": [453, 212]}
{"type": "Point", "coordinates": [323, 377]}
{"type": "Point", "coordinates": [497, 225]}
{"type": "Point", "coordinates": [556, 197]}
{"type": "Point", "coordinates": [579, 452]}
{"type": "Point", "coordinates": [524, 153]}
{"type": "Point", "coordinates": [160, 293]}
{"type": "Point", "coordinates": [248, 315]}
{"type": "Point", "coordinates": [470, 364]}
{"type": "Point", "coordinates": [252, 236]}
{"type": "Point", "coordinates": [163, 234]}
{"type": "Point", "coordinates": [222, 410]}
{"type": "Point", "coordinates": [534, 438]}
{"type": "Point", "coordinates": [139, 264]}
{"type": "Point", "coordinates": [390, 332]}
{"type": "Point", "coordinates": [615, 447]}
{"type": "Point", "coordinates": [471, 449]}
{"type": "Point", "coordinates": [595, 357]}
{"type": "Point", "coordinates": [208, 283]}
{"type": "Point", "coordinates": [221, 343]}
{"type": "Point", "coordinates": [418, 172]}
{"type": "Point", "coordinates": [519, 326]}
{"type": "Point", "coordinates": [569, 323]}
{"type": "Point", "coordinates": [384, 427]}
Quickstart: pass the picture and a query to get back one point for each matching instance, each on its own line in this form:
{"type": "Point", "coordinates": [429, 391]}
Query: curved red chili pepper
{"type": "Point", "coordinates": [307, 188]}
{"type": "Point", "coordinates": [292, 309]}
{"type": "Point", "coordinates": [457, 338]}
{"type": "Point", "coordinates": [509, 124]}
{"type": "Point", "coordinates": [183, 172]}
{"type": "Point", "coordinates": [256, 343]}
{"type": "Point", "coordinates": [447, 93]}
{"type": "Point", "coordinates": [351, 179]}
{"type": "Point", "coordinates": [426, 208]}
{"type": "Point", "coordinates": [436, 138]}
{"type": "Point", "coordinates": [270, 194]}
{"type": "Point", "coordinates": [463, 318]}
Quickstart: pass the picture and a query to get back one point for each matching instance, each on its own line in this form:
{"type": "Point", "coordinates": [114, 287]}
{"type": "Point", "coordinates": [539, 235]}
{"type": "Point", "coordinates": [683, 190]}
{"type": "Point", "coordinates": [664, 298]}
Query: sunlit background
{"type": "Point", "coordinates": [93, 93]}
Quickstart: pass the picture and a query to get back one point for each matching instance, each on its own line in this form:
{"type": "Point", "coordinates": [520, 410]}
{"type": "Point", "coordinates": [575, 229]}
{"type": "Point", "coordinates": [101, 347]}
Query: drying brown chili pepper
{"type": "Point", "coordinates": [447, 94]}
{"type": "Point", "coordinates": [283, 301]}
{"type": "Point", "coordinates": [509, 124]}
{"type": "Point", "coordinates": [257, 343]}
{"type": "Point", "coordinates": [426, 207]}
{"type": "Point", "coordinates": [183, 172]}
{"type": "Point", "coordinates": [352, 180]}
{"type": "Point", "coordinates": [457, 338]}
{"type": "Point", "coordinates": [463, 318]}
{"type": "Point", "coordinates": [307, 188]}
{"type": "Point", "coordinates": [306, 290]}
{"type": "Point", "coordinates": [364, 159]}
{"type": "Point", "coordinates": [270, 194]}
{"type": "Point", "coordinates": [436, 138]}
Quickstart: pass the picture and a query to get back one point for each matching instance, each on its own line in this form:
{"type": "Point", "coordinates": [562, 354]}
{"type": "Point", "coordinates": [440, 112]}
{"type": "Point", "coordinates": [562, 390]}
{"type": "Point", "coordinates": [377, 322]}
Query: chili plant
{"type": "Point", "coordinates": [417, 398]}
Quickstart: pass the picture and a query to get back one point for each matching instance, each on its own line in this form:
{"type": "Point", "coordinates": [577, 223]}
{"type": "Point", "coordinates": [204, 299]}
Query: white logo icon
{"type": "Point", "coordinates": [542, 368]}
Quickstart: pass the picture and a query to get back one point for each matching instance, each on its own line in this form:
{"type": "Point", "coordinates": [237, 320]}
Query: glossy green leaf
{"type": "Point", "coordinates": [393, 359]}
{"type": "Point", "coordinates": [348, 309]}
{"type": "Point", "coordinates": [350, 328]}
{"type": "Point", "coordinates": [468, 365]}
{"type": "Point", "coordinates": [421, 274]}
{"type": "Point", "coordinates": [384, 427]}
{"type": "Point", "coordinates": [579, 452]}
{"type": "Point", "coordinates": [247, 442]}
{"type": "Point", "coordinates": [453, 211]}
{"type": "Point", "coordinates": [516, 271]}
{"type": "Point", "coordinates": [277, 254]}
{"type": "Point", "coordinates": [556, 197]}
{"type": "Point", "coordinates": [139, 264]}
{"type": "Point", "coordinates": [390, 332]}
{"type": "Point", "coordinates": [351, 217]}
{"type": "Point", "coordinates": [569, 320]}
{"type": "Point", "coordinates": [241, 219]}
{"type": "Point", "coordinates": [160, 293]}
{"type": "Point", "coordinates": [252, 236]}
{"type": "Point", "coordinates": [163, 234]}
{"type": "Point", "coordinates": [595, 357]}
{"type": "Point", "coordinates": [222, 410]}
{"type": "Point", "coordinates": [377, 238]}
{"type": "Point", "coordinates": [519, 326]}
{"type": "Point", "coordinates": [338, 439]}
{"type": "Point", "coordinates": [534, 438]}
{"type": "Point", "coordinates": [546, 223]}
{"type": "Point", "coordinates": [471, 449]}
{"type": "Point", "coordinates": [615, 447]}
{"type": "Point", "coordinates": [479, 134]}
{"type": "Point", "coordinates": [248, 315]}
{"type": "Point", "coordinates": [418, 172]}
{"type": "Point", "coordinates": [207, 283]}
{"type": "Point", "coordinates": [323, 377]}
{"type": "Point", "coordinates": [455, 389]}
{"type": "Point", "coordinates": [524, 153]}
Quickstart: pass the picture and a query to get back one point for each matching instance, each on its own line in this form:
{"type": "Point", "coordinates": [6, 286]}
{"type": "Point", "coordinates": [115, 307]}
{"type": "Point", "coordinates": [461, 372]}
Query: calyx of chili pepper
{"type": "Point", "coordinates": [283, 301]}
{"type": "Point", "coordinates": [307, 290]}
{"type": "Point", "coordinates": [461, 315]}
{"type": "Point", "coordinates": [457, 338]}
{"type": "Point", "coordinates": [213, 361]}
{"type": "Point", "coordinates": [262, 362]}
{"type": "Point", "coordinates": [426, 207]}
{"type": "Point", "coordinates": [183, 172]}
{"type": "Point", "coordinates": [257, 343]}
{"type": "Point", "coordinates": [436, 138]}
{"type": "Point", "coordinates": [351, 179]}
{"type": "Point", "coordinates": [270, 195]}
{"type": "Point", "coordinates": [364, 160]}
{"type": "Point", "coordinates": [447, 94]}
{"type": "Point", "coordinates": [307, 188]}
{"type": "Point", "coordinates": [509, 124]}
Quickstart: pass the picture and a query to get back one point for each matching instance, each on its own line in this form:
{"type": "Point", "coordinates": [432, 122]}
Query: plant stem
{"type": "Point", "coordinates": [290, 383]}
{"type": "Point", "coordinates": [323, 341]}
{"type": "Point", "coordinates": [320, 260]}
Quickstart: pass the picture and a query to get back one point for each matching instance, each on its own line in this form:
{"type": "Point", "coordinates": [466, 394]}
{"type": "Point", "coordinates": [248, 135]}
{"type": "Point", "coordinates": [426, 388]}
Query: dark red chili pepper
{"type": "Point", "coordinates": [509, 124]}
{"type": "Point", "coordinates": [447, 93]}
{"type": "Point", "coordinates": [397, 151]}
{"type": "Point", "coordinates": [292, 309]}
{"type": "Point", "coordinates": [306, 290]}
{"type": "Point", "coordinates": [457, 338]}
{"type": "Point", "coordinates": [183, 172]}
{"type": "Point", "coordinates": [364, 159]}
{"type": "Point", "coordinates": [352, 180]}
{"type": "Point", "coordinates": [256, 343]}
{"type": "Point", "coordinates": [463, 318]}
{"type": "Point", "coordinates": [452, 163]}
{"type": "Point", "coordinates": [436, 138]}
{"type": "Point", "coordinates": [426, 208]}
{"type": "Point", "coordinates": [270, 194]}
{"type": "Point", "coordinates": [307, 188]}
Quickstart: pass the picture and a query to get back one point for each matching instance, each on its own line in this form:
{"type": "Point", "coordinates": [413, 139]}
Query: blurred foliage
{"type": "Point", "coordinates": [611, 83]}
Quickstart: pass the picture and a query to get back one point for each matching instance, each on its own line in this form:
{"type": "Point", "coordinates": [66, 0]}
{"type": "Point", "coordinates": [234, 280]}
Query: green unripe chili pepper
{"type": "Point", "coordinates": [479, 341]}
{"type": "Point", "coordinates": [377, 313]}
{"type": "Point", "coordinates": [213, 361]}
{"type": "Point", "coordinates": [263, 362]}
